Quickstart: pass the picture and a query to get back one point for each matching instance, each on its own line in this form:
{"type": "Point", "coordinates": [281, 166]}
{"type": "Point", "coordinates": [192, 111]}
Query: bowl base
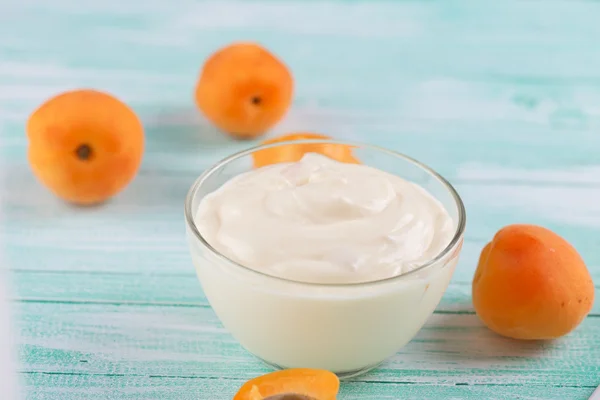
{"type": "Point", "coordinates": [341, 375]}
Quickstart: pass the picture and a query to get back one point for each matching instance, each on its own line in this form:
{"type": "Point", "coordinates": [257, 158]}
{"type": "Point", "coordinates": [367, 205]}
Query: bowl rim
{"type": "Point", "coordinates": [456, 238]}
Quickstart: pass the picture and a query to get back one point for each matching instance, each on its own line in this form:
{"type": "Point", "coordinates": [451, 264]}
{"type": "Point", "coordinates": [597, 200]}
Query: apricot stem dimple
{"type": "Point", "coordinates": [84, 152]}
{"type": "Point", "coordinates": [256, 100]}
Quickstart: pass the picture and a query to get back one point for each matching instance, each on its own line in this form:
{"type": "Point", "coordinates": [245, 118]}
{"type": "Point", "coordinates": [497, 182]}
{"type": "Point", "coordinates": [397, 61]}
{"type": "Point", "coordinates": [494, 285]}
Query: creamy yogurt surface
{"type": "Point", "coordinates": [322, 221]}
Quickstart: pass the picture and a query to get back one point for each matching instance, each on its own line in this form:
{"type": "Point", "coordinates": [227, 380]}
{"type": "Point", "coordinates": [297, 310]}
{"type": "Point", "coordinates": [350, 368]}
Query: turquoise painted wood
{"type": "Point", "coordinates": [503, 98]}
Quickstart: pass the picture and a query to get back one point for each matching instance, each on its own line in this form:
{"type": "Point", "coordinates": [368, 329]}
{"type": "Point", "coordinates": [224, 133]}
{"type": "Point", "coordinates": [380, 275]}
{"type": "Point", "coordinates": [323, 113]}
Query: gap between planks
{"type": "Point", "coordinates": [374, 381]}
{"type": "Point", "coordinates": [186, 305]}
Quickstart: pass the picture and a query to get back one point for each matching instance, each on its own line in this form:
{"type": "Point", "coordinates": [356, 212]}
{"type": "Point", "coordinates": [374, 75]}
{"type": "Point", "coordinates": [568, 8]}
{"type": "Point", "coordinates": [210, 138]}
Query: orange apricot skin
{"type": "Point", "coordinates": [294, 152]}
{"type": "Point", "coordinates": [314, 383]}
{"type": "Point", "coordinates": [110, 129]}
{"type": "Point", "coordinates": [244, 90]}
{"type": "Point", "coordinates": [531, 284]}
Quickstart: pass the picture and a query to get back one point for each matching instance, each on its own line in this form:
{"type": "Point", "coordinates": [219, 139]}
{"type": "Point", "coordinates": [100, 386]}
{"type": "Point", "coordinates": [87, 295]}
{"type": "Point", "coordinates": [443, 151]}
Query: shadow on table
{"type": "Point", "coordinates": [463, 337]}
{"type": "Point", "coordinates": [182, 130]}
{"type": "Point", "coordinates": [20, 191]}
{"type": "Point", "coordinates": [459, 341]}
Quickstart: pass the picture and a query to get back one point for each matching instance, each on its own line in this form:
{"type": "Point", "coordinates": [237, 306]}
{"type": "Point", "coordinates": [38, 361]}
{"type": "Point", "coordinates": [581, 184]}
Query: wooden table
{"type": "Point", "coordinates": [502, 98]}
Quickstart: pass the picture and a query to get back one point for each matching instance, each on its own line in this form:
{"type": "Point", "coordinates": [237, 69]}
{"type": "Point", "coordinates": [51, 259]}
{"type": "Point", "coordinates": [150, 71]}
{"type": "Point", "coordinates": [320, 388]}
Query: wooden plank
{"type": "Point", "coordinates": [151, 258]}
{"type": "Point", "coordinates": [105, 387]}
{"type": "Point", "coordinates": [151, 289]}
{"type": "Point", "coordinates": [470, 39]}
{"type": "Point", "coordinates": [452, 349]}
{"type": "Point", "coordinates": [184, 146]}
{"type": "Point", "coordinates": [476, 94]}
{"type": "Point", "coordinates": [144, 231]}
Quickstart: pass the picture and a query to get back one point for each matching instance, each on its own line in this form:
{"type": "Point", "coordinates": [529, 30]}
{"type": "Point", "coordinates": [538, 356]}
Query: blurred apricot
{"type": "Point", "coordinates": [294, 152]}
{"type": "Point", "coordinates": [530, 283]}
{"type": "Point", "coordinates": [244, 90]}
{"type": "Point", "coordinates": [85, 145]}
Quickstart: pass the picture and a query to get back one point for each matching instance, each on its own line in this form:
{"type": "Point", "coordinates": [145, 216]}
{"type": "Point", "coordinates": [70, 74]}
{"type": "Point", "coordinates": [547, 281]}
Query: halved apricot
{"type": "Point", "coordinates": [312, 383]}
{"type": "Point", "coordinates": [244, 90]}
{"type": "Point", "coordinates": [294, 152]}
{"type": "Point", "coordinates": [85, 145]}
{"type": "Point", "coordinates": [530, 283]}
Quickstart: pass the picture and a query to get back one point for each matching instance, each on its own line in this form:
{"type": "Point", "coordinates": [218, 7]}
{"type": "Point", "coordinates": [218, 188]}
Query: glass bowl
{"type": "Point", "coordinates": [344, 328]}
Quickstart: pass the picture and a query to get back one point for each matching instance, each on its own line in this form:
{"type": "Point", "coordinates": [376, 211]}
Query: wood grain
{"type": "Point", "coordinates": [502, 98]}
{"type": "Point", "coordinates": [108, 387]}
{"type": "Point", "coordinates": [163, 290]}
{"type": "Point", "coordinates": [180, 341]}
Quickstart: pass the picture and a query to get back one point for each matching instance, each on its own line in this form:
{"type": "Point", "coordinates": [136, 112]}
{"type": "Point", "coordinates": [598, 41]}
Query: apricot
{"type": "Point", "coordinates": [531, 284]}
{"type": "Point", "coordinates": [84, 145]}
{"type": "Point", "coordinates": [244, 90]}
{"type": "Point", "coordinates": [291, 384]}
{"type": "Point", "coordinates": [294, 152]}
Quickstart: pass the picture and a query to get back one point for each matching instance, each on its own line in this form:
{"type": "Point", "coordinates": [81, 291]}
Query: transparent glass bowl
{"type": "Point", "coordinates": [344, 328]}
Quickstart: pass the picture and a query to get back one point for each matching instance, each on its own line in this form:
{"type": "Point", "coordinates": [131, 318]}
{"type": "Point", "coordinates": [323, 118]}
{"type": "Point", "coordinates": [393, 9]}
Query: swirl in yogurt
{"type": "Point", "coordinates": [322, 221]}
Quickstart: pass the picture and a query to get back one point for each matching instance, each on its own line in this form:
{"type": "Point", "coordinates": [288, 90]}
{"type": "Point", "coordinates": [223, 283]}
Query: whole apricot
{"type": "Point", "coordinates": [530, 283]}
{"type": "Point", "coordinates": [84, 145]}
{"type": "Point", "coordinates": [294, 152]}
{"type": "Point", "coordinates": [244, 90]}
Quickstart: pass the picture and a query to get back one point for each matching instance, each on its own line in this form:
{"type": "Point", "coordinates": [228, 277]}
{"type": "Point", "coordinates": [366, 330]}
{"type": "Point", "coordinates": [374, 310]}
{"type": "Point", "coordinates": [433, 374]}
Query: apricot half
{"type": "Point", "coordinates": [84, 145]}
{"type": "Point", "coordinates": [303, 382]}
{"type": "Point", "coordinates": [244, 90]}
{"type": "Point", "coordinates": [532, 284]}
{"type": "Point", "coordinates": [294, 152]}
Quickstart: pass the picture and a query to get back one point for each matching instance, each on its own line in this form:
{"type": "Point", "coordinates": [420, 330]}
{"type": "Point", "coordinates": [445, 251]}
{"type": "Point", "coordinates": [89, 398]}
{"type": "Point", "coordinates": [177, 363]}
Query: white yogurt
{"type": "Point", "coordinates": [317, 231]}
{"type": "Point", "coordinates": [323, 221]}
